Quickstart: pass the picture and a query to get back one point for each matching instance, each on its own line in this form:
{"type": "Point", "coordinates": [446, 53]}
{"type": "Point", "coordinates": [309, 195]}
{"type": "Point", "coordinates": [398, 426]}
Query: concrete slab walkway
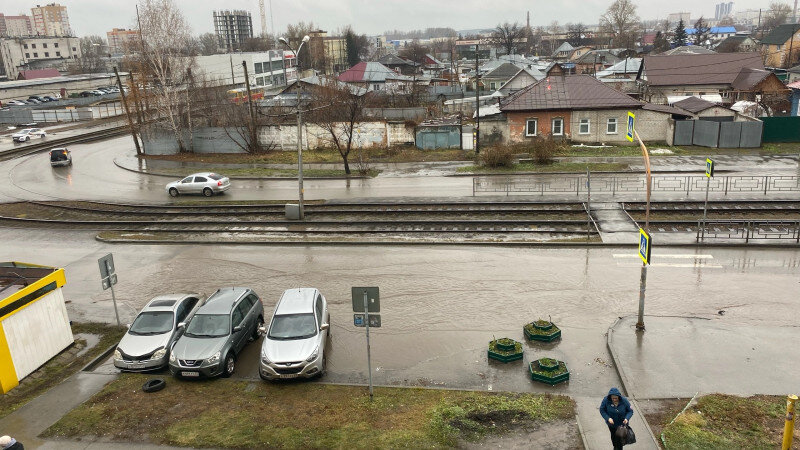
{"type": "Point", "coordinates": [614, 224]}
{"type": "Point", "coordinates": [595, 432]}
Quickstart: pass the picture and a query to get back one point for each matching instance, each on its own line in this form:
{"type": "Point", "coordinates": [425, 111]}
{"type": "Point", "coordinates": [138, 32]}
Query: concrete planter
{"type": "Point", "coordinates": [548, 371]}
{"type": "Point", "coordinates": [541, 330]}
{"type": "Point", "coordinates": [505, 350]}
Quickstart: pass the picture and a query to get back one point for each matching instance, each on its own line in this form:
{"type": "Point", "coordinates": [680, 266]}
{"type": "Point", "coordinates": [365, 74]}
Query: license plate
{"type": "Point", "coordinates": [190, 374]}
{"type": "Point", "coordinates": [291, 375]}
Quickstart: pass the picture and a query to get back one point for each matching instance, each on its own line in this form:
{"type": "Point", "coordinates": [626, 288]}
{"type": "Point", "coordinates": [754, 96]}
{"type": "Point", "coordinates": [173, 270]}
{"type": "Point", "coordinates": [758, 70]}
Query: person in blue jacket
{"type": "Point", "coordinates": [616, 411]}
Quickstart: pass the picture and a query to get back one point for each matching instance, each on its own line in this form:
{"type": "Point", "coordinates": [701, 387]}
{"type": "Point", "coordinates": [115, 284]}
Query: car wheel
{"type": "Point", "coordinates": [208, 192]}
{"type": "Point", "coordinates": [230, 365]}
{"type": "Point", "coordinates": [173, 192]}
{"type": "Point", "coordinates": [154, 385]}
{"type": "Point", "coordinates": [259, 324]}
{"type": "Point", "coordinates": [324, 365]}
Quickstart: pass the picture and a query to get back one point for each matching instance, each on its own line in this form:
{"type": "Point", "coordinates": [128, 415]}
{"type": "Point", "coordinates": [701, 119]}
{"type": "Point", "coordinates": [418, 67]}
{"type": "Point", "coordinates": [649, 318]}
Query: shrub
{"type": "Point", "coordinates": [497, 157]}
{"type": "Point", "coordinates": [544, 148]}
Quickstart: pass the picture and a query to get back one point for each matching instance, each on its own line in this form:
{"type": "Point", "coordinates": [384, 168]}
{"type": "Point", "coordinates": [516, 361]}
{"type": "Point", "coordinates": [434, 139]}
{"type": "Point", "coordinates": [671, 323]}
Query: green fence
{"type": "Point", "coordinates": [781, 129]}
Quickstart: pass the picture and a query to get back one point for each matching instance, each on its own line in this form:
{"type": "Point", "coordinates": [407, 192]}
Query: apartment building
{"type": "Point", "coordinates": [36, 53]}
{"type": "Point", "coordinates": [233, 28]}
{"type": "Point", "coordinates": [51, 20]}
{"type": "Point", "coordinates": [119, 40]}
{"type": "Point", "coordinates": [15, 26]}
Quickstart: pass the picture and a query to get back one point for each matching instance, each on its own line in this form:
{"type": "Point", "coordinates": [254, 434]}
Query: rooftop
{"type": "Point", "coordinates": [368, 71]}
{"type": "Point", "coordinates": [15, 276]}
{"type": "Point", "coordinates": [781, 34]}
{"type": "Point", "coordinates": [694, 105]}
{"type": "Point", "coordinates": [567, 92]}
{"type": "Point", "coordinates": [718, 68]}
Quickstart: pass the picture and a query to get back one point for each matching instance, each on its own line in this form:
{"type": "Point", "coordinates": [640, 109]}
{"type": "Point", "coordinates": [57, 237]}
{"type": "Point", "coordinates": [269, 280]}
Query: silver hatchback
{"type": "Point", "coordinates": [206, 183]}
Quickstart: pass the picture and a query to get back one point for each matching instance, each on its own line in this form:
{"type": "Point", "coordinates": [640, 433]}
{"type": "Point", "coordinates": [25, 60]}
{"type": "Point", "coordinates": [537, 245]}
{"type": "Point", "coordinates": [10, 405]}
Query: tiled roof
{"type": "Point", "coordinates": [781, 34]}
{"type": "Point", "coordinates": [677, 70]}
{"type": "Point", "coordinates": [503, 72]}
{"type": "Point", "coordinates": [629, 65]}
{"type": "Point", "coordinates": [600, 56]}
{"type": "Point", "coordinates": [567, 92]}
{"type": "Point", "coordinates": [748, 78]}
{"type": "Point", "coordinates": [565, 47]}
{"type": "Point", "coordinates": [394, 60]}
{"type": "Point", "coordinates": [36, 74]}
{"type": "Point", "coordinates": [694, 104]}
{"type": "Point", "coordinates": [666, 109]}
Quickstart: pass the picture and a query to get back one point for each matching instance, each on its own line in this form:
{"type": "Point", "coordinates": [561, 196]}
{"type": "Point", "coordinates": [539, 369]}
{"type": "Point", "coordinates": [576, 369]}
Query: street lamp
{"type": "Point", "coordinates": [299, 128]}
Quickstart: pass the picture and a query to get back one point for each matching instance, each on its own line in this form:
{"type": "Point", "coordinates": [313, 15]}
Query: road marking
{"type": "Point", "coordinates": [705, 266]}
{"type": "Point", "coordinates": [666, 256]}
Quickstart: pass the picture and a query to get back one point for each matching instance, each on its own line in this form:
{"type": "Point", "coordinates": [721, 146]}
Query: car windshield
{"type": "Point", "coordinates": [209, 325]}
{"type": "Point", "coordinates": [214, 176]}
{"type": "Point", "coordinates": [293, 326]}
{"type": "Point", "coordinates": [154, 322]}
{"type": "Point", "coordinates": [26, 131]}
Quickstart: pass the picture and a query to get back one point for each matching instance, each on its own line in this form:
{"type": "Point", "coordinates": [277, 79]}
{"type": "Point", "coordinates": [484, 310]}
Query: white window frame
{"type": "Point", "coordinates": [612, 120]}
{"type": "Point", "coordinates": [493, 86]}
{"type": "Point", "coordinates": [535, 127]}
{"type": "Point", "coordinates": [553, 126]}
{"type": "Point", "coordinates": [588, 124]}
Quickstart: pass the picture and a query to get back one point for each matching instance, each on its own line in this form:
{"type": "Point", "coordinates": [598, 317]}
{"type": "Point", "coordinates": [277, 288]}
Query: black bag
{"type": "Point", "coordinates": [631, 436]}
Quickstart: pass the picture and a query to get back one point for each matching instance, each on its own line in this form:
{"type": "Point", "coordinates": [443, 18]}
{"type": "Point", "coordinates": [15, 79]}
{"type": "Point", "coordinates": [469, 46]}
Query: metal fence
{"type": "Point", "coordinates": [710, 133]}
{"type": "Point", "coordinates": [748, 230]}
{"type": "Point", "coordinates": [613, 184]}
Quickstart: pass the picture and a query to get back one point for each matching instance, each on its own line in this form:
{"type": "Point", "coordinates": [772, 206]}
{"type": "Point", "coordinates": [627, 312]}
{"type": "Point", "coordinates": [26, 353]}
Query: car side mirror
{"type": "Point", "coordinates": [324, 326]}
{"type": "Point", "coordinates": [237, 328]}
{"type": "Point", "coordinates": [182, 325]}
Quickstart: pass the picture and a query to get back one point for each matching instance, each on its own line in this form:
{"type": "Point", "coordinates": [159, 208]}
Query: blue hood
{"type": "Point", "coordinates": [614, 391]}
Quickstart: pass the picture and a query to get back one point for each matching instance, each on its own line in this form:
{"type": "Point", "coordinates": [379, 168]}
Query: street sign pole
{"type": "Point", "coordinates": [709, 174]}
{"type": "Point", "coordinates": [113, 296]}
{"type": "Point", "coordinates": [646, 260]}
{"type": "Point", "coordinates": [108, 279]}
{"type": "Point", "coordinates": [369, 359]}
{"type": "Point", "coordinates": [588, 204]}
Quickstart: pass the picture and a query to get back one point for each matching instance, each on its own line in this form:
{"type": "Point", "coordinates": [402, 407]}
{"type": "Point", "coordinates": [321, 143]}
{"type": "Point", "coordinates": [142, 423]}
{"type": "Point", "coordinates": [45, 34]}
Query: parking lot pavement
{"type": "Point", "coordinates": [678, 357]}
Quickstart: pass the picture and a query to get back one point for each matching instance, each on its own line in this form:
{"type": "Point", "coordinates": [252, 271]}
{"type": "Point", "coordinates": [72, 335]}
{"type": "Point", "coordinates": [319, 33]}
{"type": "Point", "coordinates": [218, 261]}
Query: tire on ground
{"type": "Point", "coordinates": [154, 385]}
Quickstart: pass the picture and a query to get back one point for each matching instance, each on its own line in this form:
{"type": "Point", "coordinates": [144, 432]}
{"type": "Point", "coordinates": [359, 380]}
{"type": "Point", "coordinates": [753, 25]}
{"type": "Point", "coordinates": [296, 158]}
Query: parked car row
{"type": "Point", "coordinates": [206, 183]}
{"type": "Point", "coordinates": [198, 338]}
{"type": "Point", "coordinates": [32, 100]}
{"type": "Point", "coordinates": [100, 91]}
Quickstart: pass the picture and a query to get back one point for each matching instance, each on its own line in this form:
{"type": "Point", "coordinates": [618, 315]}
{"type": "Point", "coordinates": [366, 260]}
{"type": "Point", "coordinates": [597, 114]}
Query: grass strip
{"type": "Point", "coordinates": [57, 370]}
{"type": "Point", "coordinates": [727, 421]}
{"type": "Point", "coordinates": [226, 413]}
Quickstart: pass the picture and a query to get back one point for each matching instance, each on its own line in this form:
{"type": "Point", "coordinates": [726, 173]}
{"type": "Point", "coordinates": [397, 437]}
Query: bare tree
{"type": "Point", "coordinates": [258, 44]}
{"type": "Point", "coordinates": [233, 117]}
{"type": "Point", "coordinates": [576, 34]}
{"type": "Point", "coordinates": [162, 61]}
{"type": "Point", "coordinates": [338, 111]}
{"type": "Point", "coordinates": [777, 15]}
{"type": "Point", "coordinates": [313, 57]}
{"type": "Point", "coordinates": [621, 22]}
{"type": "Point", "coordinates": [508, 36]}
{"type": "Point", "coordinates": [93, 50]}
{"type": "Point", "coordinates": [701, 32]}
{"type": "Point", "coordinates": [209, 44]}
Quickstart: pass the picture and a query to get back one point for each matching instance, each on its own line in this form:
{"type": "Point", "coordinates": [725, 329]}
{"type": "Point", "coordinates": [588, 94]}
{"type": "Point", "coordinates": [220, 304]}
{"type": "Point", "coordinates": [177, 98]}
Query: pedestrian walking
{"type": "Point", "coordinates": [9, 443]}
{"type": "Point", "coordinates": [616, 411]}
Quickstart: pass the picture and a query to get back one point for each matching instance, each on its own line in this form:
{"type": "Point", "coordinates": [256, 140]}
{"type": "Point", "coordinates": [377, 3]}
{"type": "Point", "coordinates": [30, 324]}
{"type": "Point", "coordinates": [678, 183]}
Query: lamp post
{"type": "Point", "coordinates": [299, 127]}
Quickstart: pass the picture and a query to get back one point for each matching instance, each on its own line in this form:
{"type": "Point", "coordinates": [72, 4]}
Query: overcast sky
{"type": "Point", "coordinates": [372, 16]}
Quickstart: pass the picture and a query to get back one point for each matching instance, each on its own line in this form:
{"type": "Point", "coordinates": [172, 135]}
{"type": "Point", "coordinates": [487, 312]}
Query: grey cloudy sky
{"type": "Point", "coordinates": [372, 16]}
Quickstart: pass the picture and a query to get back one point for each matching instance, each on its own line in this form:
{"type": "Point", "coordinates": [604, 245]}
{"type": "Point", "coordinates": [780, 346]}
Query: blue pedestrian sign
{"type": "Point", "coordinates": [709, 167]}
{"type": "Point", "coordinates": [644, 246]}
{"type": "Point", "coordinates": [631, 118]}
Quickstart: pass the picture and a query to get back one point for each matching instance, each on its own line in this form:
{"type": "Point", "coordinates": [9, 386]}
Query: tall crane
{"type": "Point", "coordinates": [263, 17]}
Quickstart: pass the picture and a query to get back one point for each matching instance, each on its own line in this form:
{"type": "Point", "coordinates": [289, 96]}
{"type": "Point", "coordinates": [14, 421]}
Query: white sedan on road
{"type": "Point", "coordinates": [27, 133]}
{"type": "Point", "coordinates": [206, 183]}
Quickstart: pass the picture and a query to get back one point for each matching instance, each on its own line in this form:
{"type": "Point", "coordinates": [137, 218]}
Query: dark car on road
{"type": "Point", "coordinates": [217, 333]}
{"type": "Point", "coordinates": [60, 157]}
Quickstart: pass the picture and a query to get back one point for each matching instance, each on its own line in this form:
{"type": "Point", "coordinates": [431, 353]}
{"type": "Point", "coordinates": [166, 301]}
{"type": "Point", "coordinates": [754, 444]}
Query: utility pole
{"type": "Point", "coordinates": [477, 103]}
{"type": "Point", "coordinates": [233, 77]}
{"type": "Point", "coordinates": [300, 154]}
{"type": "Point", "coordinates": [127, 112]}
{"type": "Point", "coordinates": [643, 278]}
{"type": "Point", "coordinates": [253, 130]}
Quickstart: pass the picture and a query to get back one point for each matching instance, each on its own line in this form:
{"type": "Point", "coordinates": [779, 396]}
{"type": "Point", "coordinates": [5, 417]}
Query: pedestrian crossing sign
{"type": "Point", "coordinates": [709, 167]}
{"type": "Point", "coordinates": [631, 118]}
{"type": "Point", "coordinates": [644, 246]}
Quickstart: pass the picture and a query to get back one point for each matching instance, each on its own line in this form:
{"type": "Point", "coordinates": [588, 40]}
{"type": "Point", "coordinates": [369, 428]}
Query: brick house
{"type": "Point", "coordinates": [777, 45]}
{"type": "Point", "coordinates": [582, 109]}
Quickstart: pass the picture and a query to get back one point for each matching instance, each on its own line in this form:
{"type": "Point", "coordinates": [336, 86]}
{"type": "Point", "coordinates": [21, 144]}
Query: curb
{"type": "Point", "coordinates": [156, 174]}
{"type": "Point", "coordinates": [98, 359]}
{"type": "Point", "coordinates": [584, 440]}
{"type": "Point", "coordinates": [624, 380]}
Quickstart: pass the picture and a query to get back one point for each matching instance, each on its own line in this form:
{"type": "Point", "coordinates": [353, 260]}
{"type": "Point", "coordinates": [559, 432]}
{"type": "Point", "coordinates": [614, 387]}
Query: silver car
{"type": "Point", "coordinates": [295, 343]}
{"type": "Point", "coordinates": [217, 333]}
{"type": "Point", "coordinates": [206, 183]}
{"type": "Point", "coordinates": [146, 344]}
{"type": "Point", "coordinates": [26, 134]}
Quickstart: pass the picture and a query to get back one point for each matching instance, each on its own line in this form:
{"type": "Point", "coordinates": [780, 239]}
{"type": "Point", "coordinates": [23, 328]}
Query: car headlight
{"type": "Point", "coordinates": [264, 358]}
{"type": "Point", "coordinates": [117, 355]}
{"type": "Point", "coordinates": [314, 355]}
{"type": "Point", "coordinates": [159, 354]}
{"type": "Point", "coordinates": [173, 358]}
{"type": "Point", "coordinates": [214, 358]}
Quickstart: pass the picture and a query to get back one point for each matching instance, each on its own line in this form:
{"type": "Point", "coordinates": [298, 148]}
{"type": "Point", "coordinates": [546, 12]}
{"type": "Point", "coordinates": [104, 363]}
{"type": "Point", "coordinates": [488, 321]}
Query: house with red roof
{"type": "Point", "coordinates": [374, 76]}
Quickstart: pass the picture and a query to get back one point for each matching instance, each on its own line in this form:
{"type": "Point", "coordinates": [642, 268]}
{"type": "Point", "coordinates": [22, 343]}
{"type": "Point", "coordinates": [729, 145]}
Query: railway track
{"type": "Point", "coordinates": [739, 205]}
{"type": "Point", "coordinates": [46, 144]}
{"type": "Point", "coordinates": [330, 218]}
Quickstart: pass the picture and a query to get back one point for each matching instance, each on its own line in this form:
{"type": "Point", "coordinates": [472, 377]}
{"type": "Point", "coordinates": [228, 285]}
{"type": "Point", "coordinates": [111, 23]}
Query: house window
{"type": "Point", "coordinates": [25, 45]}
{"type": "Point", "coordinates": [259, 68]}
{"type": "Point", "coordinates": [558, 127]}
{"type": "Point", "coordinates": [74, 49]}
{"type": "Point", "coordinates": [260, 81]}
{"type": "Point", "coordinates": [58, 53]}
{"type": "Point", "coordinates": [33, 45]}
{"type": "Point", "coordinates": [44, 45]}
{"type": "Point", "coordinates": [611, 126]}
{"type": "Point", "coordinates": [46, 54]}
{"type": "Point", "coordinates": [27, 55]}
{"type": "Point", "coordinates": [584, 126]}
{"type": "Point", "coordinates": [35, 55]}
{"type": "Point", "coordinates": [531, 127]}
{"type": "Point", "coordinates": [376, 87]}
{"type": "Point", "coordinates": [493, 86]}
{"type": "Point", "coordinates": [55, 45]}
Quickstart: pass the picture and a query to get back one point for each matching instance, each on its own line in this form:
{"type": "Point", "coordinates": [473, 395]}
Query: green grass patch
{"type": "Point", "coordinates": [57, 370]}
{"type": "Point", "coordinates": [225, 413]}
{"type": "Point", "coordinates": [559, 166]}
{"type": "Point", "coordinates": [727, 421]}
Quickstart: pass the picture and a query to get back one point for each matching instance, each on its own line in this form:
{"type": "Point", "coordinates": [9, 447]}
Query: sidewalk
{"type": "Point", "coordinates": [594, 431]}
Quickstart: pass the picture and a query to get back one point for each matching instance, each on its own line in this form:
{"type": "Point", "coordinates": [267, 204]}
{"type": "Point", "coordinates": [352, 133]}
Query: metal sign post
{"type": "Point", "coordinates": [366, 300]}
{"type": "Point", "coordinates": [108, 278]}
{"type": "Point", "coordinates": [709, 174]}
{"type": "Point", "coordinates": [645, 233]}
{"type": "Point", "coordinates": [588, 204]}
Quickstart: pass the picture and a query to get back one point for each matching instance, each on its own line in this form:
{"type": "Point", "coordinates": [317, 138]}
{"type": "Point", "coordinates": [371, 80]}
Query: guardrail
{"type": "Point", "coordinates": [748, 229]}
{"type": "Point", "coordinates": [624, 183]}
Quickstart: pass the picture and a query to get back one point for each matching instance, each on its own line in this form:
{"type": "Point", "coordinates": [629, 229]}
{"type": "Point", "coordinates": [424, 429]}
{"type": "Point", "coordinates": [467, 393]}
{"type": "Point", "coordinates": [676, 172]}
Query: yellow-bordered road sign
{"type": "Point", "coordinates": [631, 118]}
{"type": "Point", "coordinates": [644, 246]}
{"type": "Point", "coordinates": [709, 167]}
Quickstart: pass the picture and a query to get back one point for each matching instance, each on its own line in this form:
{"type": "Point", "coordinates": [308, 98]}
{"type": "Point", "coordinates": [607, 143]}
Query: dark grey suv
{"type": "Point", "coordinates": [216, 334]}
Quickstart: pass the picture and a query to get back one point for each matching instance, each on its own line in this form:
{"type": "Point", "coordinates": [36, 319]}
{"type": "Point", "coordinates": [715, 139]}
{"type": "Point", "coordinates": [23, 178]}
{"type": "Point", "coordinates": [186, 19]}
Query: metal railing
{"type": "Point", "coordinates": [629, 183]}
{"type": "Point", "coordinates": [748, 229]}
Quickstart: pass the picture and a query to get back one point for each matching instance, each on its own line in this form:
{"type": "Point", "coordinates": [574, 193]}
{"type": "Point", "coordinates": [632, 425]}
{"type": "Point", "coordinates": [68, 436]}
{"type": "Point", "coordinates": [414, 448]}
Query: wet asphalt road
{"type": "Point", "coordinates": [440, 306]}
